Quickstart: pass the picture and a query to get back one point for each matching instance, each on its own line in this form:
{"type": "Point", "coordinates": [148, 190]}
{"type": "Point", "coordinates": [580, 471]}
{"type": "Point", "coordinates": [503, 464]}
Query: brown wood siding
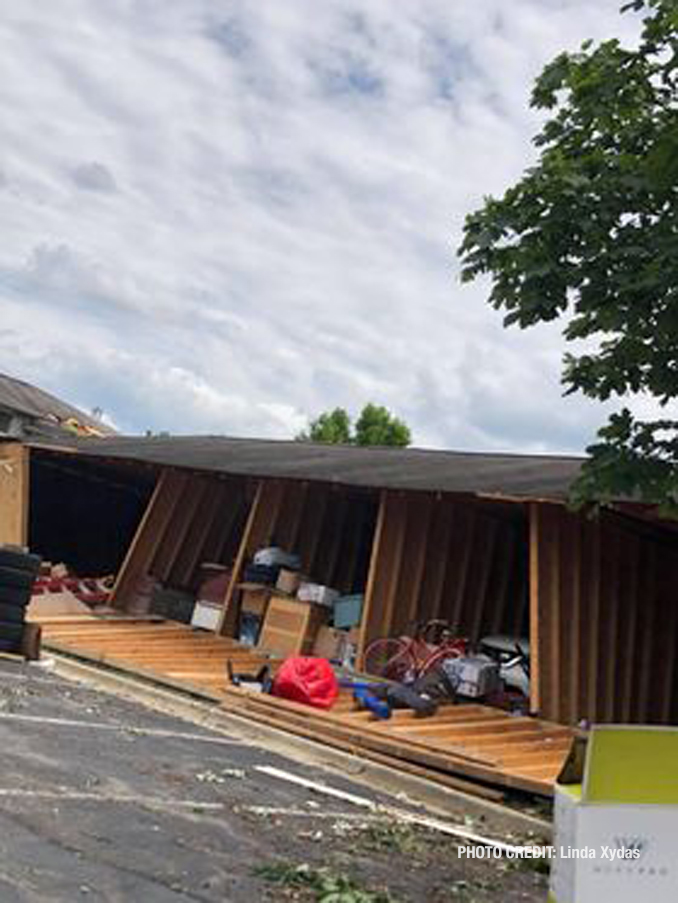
{"type": "Point", "coordinates": [438, 557]}
{"type": "Point", "coordinates": [603, 618]}
{"type": "Point", "coordinates": [14, 480]}
{"type": "Point", "coordinates": [189, 519]}
{"type": "Point", "coordinates": [330, 529]}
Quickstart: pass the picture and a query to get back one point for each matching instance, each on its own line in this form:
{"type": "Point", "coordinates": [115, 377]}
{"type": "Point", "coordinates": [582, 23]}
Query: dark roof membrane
{"type": "Point", "coordinates": [508, 475]}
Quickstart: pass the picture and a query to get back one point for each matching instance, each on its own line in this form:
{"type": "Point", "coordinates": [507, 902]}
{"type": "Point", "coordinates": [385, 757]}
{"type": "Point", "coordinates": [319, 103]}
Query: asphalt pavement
{"type": "Point", "coordinates": [105, 799]}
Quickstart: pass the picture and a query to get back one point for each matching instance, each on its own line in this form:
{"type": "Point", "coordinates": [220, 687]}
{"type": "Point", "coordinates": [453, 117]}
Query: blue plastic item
{"type": "Point", "coordinates": [348, 611]}
{"type": "Point", "coordinates": [348, 683]}
{"type": "Point", "coordinates": [367, 700]}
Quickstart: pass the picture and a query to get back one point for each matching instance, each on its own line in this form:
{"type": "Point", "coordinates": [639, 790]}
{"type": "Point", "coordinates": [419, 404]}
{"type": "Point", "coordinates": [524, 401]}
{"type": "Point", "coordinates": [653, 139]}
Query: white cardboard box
{"type": "Point", "coordinates": [316, 592]}
{"type": "Point", "coordinates": [616, 819]}
{"type": "Point", "coordinates": [206, 615]}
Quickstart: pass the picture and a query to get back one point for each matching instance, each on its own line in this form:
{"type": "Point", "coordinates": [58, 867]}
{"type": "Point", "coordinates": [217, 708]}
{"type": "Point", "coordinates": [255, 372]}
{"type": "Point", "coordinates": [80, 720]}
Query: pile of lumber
{"type": "Point", "coordinates": [471, 747]}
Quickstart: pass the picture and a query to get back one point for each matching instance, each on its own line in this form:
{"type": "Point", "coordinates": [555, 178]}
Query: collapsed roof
{"type": "Point", "coordinates": [506, 475]}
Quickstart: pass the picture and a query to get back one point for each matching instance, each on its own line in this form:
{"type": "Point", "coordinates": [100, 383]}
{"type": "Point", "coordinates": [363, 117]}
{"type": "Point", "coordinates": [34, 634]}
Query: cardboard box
{"type": "Point", "coordinates": [214, 580]}
{"type": "Point", "coordinates": [290, 626]}
{"type": "Point", "coordinates": [616, 818]}
{"type": "Point", "coordinates": [336, 645]}
{"type": "Point", "coordinates": [316, 592]}
{"type": "Point", "coordinates": [288, 581]}
{"type": "Point", "coordinates": [206, 615]}
{"type": "Point", "coordinates": [254, 600]}
{"type": "Point", "coordinates": [49, 605]}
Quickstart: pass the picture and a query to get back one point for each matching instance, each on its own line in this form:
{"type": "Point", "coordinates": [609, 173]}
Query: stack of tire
{"type": "Point", "coordinates": [18, 570]}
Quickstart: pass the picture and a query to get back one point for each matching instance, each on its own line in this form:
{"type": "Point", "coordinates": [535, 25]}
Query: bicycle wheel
{"type": "Point", "coordinates": [388, 658]}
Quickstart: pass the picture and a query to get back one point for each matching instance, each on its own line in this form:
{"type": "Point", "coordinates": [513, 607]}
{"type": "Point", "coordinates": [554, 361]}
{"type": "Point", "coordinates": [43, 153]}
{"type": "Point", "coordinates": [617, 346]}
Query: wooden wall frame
{"type": "Point", "coordinates": [190, 518]}
{"type": "Point", "coordinates": [603, 618]}
{"type": "Point", "coordinates": [325, 525]}
{"type": "Point", "coordinates": [437, 555]}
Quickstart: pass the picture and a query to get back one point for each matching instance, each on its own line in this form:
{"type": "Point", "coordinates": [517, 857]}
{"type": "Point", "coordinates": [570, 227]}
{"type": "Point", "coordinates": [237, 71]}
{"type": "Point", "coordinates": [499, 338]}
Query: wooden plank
{"type": "Point", "coordinates": [447, 719]}
{"type": "Point", "coordinates": [480, 602]}
{"type": "Point", "coordinates": [535, 594]}
{"type": "Point", "coordinates": [504, 614]}
{"type": "Point", "coordinates": [568, 621]}
{"type": "Point", "coordinates": [608, 648]}
{"type": "Point", "coordinates": [462, 616]}
{"type": "Point", "coordinates": [148, 536]}
{"type": "Point", "coordinates": [228, 620]}
{"type": "Point", "coordinates": [296, 516]}
{"type": "Point", "coordinates": [552, 552]}
{"type": "Point", "coordinates": [234, 513]}
{"type": "Point", "coordinates": [14, 493]}
{"type": "Point", "coordinates": [630, 604]}
{"type": "Point", "coordinates": [593, 614]}
{"type": "Point", "coordinates": [366, 635]}
{"type": "Point", "coordinates": [305, 730]}
{"type": "Point", "coordinates": [438, 553]}
{"type": "Point", "coordinates": [195, 662]}
{"type": "Point", "coordinates": [333, 562]}
{"type": "Point", "coordinates": [392, 562]}
{"type": "Point", "coordinates": [645, 638]}
{"type": "Point", "coordinates": [175, 539]}
{"type": "Point", "coordinates": [228, 504]}
{"type": "Point", "coordinates": [415, 529]}
{"type": "Point", "coordinates": [368, 735]}
{"type": "Point", "coordinates": [317, 500]}
{"type": "Point", "coordinates": [668, 612]}
{"type": "Point", "coordinates": [350, 546]}
{"type": "Point", "coordinates": [531, 736]}
{"type": "Point", "coordinates": [266, 513]}
{"type": "Point", "coordinates": [190, 554]}
{"type": "Point", "coordinates": [471, 728]}
{"type": "Point", "coordinates": [429, 755]}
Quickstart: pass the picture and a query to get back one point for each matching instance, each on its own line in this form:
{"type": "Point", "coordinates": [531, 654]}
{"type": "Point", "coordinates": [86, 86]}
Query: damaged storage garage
{"type": "Point", "coordinates": [485, 542]}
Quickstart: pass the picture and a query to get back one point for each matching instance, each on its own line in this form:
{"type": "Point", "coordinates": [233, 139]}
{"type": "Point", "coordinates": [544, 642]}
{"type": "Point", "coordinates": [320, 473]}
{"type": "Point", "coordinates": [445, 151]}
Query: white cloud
{"type": "Point", "coordinates": [219, 216]}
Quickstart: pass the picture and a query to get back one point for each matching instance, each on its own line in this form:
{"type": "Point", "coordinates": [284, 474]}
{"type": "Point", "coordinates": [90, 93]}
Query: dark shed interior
{"type": "Point", "coordinates": [85, 512]}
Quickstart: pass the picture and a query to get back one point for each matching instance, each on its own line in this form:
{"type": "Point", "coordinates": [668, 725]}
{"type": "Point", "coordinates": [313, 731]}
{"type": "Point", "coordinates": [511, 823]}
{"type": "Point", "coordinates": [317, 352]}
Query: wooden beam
{"type": "Point", "coordinates": [147, 538]}
{"type": "Point", "coordinates": [193, 553]}
{"type": "Point", "coordinates": [364, 637]}
{"type": "Point", "coordinates": [394, 559]}
{"type": "Point", "coordinates": [14, 493]}
{"type": "Point", "coordinates": [481, 605]}
{"type": "Point", "coordinates": [228, 615]}
{"type": "Point", "coordinates": [535, 600]}
{"type": "Point", "coordinates": [177, 539]}
{"type": "Point", "coordinates": [435, 571]}
{"type": "Point", "coordinates": [573, 659]}
{"type": "Point", "coordinates": [593, 583]}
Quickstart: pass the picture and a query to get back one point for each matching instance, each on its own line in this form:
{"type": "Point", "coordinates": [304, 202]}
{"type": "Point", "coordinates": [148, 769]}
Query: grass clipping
{"type": "Point", "coordinates": [326, 886]}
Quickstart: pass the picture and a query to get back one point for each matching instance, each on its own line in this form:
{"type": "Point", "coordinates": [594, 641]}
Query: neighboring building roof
{"type": "Point", "coordinates": [508, 475]}
{"type": "Point", "coordinates": [48, 414]}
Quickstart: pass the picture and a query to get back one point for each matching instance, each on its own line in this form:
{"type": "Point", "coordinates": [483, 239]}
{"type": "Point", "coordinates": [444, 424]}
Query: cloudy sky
{"type": "Point", "coordinates": [223, 216]}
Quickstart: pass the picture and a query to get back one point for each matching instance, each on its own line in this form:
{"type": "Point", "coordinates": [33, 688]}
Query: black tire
{"type": "Point", "coordinates": [15, 614]}
{"type": "Point", "coordinates": [16, 577]}
{"type": "Point", "coordinates": [13, 595]}
{"type": "Point", "coordinates": [23, 561]}
{"type": "Point", "coordinates": [11, 632]}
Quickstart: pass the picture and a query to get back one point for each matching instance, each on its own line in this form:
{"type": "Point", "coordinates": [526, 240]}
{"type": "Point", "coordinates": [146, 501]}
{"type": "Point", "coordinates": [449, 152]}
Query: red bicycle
{"type": "Point", "coordinates": [404, 659]}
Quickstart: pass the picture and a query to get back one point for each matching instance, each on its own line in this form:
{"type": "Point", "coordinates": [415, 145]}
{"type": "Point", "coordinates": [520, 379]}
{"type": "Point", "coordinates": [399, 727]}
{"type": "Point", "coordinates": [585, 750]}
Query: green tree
{"type": "Point", "coordinates": [374, 426]}
{"type": "Point", "coordinates": [590, 234]}
{"type": "Point", "coordinates": [332, 426]}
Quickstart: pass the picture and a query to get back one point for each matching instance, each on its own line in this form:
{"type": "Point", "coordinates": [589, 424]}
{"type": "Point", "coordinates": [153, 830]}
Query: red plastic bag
{"type": "Point", "coordinates": [307, 680]}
